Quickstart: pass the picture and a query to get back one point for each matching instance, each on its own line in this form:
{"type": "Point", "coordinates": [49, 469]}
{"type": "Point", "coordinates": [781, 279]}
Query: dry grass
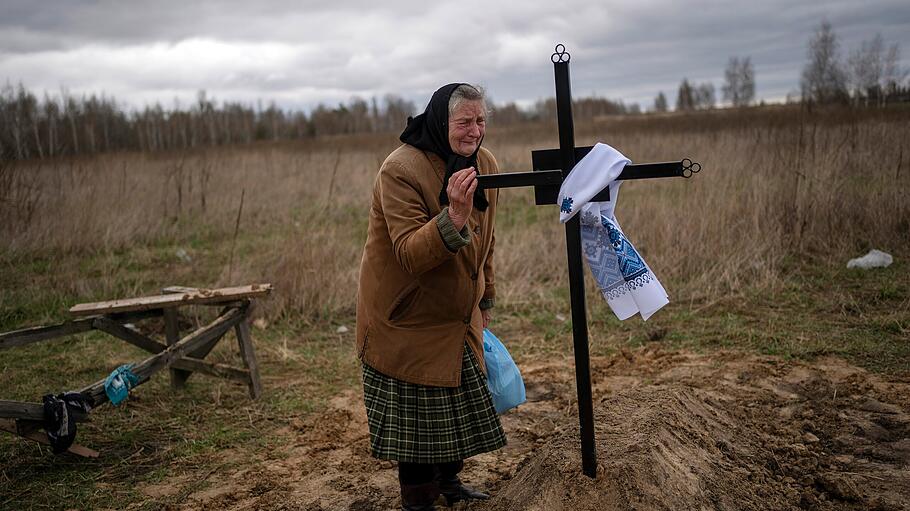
{"type": "Point", "coordinates": [752, 251]}
{"type": "Point", "coordinates": [776, 184]}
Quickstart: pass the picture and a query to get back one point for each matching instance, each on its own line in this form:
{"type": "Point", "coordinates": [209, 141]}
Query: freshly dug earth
{"type": "Point", "coordinates": [750, 434]}
{"type": "Point", "coordinates": [661, 447]}
{"type": "Point", "coordinates": [674, 431]}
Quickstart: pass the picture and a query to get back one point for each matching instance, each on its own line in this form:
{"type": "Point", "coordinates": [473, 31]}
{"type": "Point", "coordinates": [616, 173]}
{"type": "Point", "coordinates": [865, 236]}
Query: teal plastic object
{"type": "Point", "coordinates": [503, 377]}
{"type": "Point", "coordinates": [117, 385]}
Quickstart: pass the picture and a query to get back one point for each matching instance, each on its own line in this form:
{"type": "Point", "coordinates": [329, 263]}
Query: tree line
{"type": "Point", "coordinates": [871, 75]}
{"type": "Point", "coordinates": [64, 124]}
{"type": "Point", "coordinates": [68, 125]}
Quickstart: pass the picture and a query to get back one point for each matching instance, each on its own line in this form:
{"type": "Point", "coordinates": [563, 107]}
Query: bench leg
{"type": "Point", "coordinates": [245, 342]}
{"type": "Point", "coordinates": [172, 335]}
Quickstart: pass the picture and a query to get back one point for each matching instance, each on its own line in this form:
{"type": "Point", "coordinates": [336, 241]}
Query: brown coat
{"type": "Point", "coordinates": [418, 301]}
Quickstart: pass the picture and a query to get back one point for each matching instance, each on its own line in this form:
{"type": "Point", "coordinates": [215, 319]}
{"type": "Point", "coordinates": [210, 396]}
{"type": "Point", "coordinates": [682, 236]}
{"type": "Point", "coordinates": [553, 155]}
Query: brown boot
{"type": "Point", "coordinates": [419, 497]}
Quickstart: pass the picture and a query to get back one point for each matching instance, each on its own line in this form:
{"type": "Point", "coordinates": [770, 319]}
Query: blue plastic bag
{"type": "Point", "coordinates": [503, 378]}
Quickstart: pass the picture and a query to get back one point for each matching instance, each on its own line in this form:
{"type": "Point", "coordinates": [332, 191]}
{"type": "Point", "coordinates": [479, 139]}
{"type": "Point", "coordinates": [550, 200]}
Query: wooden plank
{"type": "Point", "coordinates": [41, 333]}
{"type": "Point", "coordinates": [245, 341]}
{"type": "Point", "coordinates": [184, 289]}
{"type": "Point", "coordinates": [29, 411]}
{"type": "Point", "coordinates": [9, 426]}
{"type": "Point", "coordinates": [129, 335]}
{"type": "Point", "coordinates": [202, 296]}
{"type": "Point", "coordinates": [181, 289]}
{"type": "Point", "coordinates": [151, 365]}
{"type": "Point", "coordinates": [21, 410]}
{"type": "Point", "coordinates": [172, 336]}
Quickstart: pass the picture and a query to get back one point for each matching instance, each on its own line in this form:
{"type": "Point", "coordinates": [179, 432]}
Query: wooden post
{"type": "Point", "coordinates": [245, 342]}
{"type": "Point", "coordinates": [172, 336]}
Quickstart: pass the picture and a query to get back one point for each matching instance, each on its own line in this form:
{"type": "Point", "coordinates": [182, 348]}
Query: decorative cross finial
{"type": "Point", "coordinates": [689, 168]}
{"type": "Point", "coordinates": [560, 55]}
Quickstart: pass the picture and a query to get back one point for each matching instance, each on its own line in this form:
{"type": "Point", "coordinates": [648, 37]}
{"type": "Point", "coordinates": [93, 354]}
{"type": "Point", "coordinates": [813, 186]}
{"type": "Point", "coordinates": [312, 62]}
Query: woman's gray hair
{"type": "Point", "coordinates": [466, 92]}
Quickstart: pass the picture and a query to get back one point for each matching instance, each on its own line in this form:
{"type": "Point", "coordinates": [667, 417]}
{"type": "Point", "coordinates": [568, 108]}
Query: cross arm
{"type": "Point", "coordinates": [547, 176]}
{"type": "Point", "coordinates": [680, 168]}
{"type": "Point", "coordinates": [519, 179]}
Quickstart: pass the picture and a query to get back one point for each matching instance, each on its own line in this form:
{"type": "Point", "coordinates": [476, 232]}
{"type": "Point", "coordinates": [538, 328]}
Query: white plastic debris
{"type": "Point", "coordinates": [874, 259]}
{"type": "Point", "coordinates": [560, 318]}
{"type": "Point", "coordinates": [183, 255]}
{"type": "Point", "coordinates": [342, 329]}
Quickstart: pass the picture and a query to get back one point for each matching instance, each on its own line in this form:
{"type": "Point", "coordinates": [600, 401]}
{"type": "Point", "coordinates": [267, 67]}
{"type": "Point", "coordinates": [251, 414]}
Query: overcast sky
{"type": "Point", "coordinates": [299, 53]}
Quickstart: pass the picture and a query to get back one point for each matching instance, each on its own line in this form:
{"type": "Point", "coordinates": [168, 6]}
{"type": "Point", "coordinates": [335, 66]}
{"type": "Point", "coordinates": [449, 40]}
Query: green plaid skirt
{"type": "Point", "coordinates": [422, 424]}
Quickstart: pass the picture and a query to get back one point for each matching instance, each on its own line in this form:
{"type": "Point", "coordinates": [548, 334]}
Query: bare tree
{"type": "Point", "coordinates": [864, 70]}
{"type": "Point", "coordinates": [71, 111]}
{"type": "Point", "coordinates": [823, 78]}
{"type": "Point", "coordinates": [705, 96]}
{"type": "Point", "coordinates": [51, 111]}
{"type": "Point", "coordinates": [660, 102]}
{"type": "Point", "coordinates": [685, 97]}
{"type": "Point", "coordinates": [893, 75]}
{"type": "Point", "coordinates": [739, 82]}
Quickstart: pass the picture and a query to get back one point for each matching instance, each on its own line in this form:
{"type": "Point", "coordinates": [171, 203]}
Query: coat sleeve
{"type": "Point", "coordinates": [416, 240]}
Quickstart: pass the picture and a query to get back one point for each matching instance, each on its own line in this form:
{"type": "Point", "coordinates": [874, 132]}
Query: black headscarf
{"type": "Point", "coordinates": [430, 131]}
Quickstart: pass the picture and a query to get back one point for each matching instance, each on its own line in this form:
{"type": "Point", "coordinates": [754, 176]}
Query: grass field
{"type": "Point", "coordinates": [752, 251]}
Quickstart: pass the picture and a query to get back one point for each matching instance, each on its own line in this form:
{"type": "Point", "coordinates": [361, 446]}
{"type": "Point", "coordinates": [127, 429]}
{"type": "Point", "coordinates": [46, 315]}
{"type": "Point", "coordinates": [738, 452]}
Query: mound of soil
{"type": "Point", "coordinates": [661, 447]}
{"type": "Point", "coordinates": [751, 437]}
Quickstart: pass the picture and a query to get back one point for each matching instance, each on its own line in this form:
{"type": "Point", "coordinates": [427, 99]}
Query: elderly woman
{"type": "Point", "coordinates": [426, 289]}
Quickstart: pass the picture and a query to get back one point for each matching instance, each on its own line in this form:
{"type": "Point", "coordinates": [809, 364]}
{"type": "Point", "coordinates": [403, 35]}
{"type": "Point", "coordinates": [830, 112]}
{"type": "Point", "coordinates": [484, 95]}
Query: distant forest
{"type": "Point", "coordinates": [33, 127]}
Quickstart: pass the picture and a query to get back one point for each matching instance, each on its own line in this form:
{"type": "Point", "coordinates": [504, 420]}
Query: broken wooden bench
{"type": "Point", "coordinates": [182, 355]}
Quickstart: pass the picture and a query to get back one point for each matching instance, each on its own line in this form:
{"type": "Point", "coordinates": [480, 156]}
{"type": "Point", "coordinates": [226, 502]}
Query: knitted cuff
{"type": "Point", "coordinates": [452, 238]}
{"type": "Point", "coordinates": [487, 303]}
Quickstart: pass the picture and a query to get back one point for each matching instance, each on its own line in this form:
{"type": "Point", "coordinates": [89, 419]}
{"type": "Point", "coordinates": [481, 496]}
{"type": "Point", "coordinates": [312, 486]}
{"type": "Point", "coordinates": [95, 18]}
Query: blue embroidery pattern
{"type": "Point", "coordinates": [566, 206]}
{"type": "Point", "coordinates": [615, 263]}
{"type": "Point", "coordinates": [630, 263]}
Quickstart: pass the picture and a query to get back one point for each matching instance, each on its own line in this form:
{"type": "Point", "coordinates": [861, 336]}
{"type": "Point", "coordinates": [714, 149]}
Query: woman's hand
{"type": "Point", "coordinates": [487, 317]}
{"type": "Point", "coordinates": [461, 196]}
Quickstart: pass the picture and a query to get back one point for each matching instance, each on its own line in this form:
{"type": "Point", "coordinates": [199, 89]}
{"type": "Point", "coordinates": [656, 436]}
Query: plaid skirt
{"type": "Point", "coordinates": [423, 424]}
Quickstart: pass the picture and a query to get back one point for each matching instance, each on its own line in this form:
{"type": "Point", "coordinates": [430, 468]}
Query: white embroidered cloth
{"type": "Point", "coordinates": [625, 280]}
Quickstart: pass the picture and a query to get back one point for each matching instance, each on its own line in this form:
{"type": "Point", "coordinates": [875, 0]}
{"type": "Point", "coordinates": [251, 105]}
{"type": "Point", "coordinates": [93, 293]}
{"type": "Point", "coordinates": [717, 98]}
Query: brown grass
{"type": "Point", "coordinates": [752, 251]}
{"type": "Point", "coordinates": [776, 184]}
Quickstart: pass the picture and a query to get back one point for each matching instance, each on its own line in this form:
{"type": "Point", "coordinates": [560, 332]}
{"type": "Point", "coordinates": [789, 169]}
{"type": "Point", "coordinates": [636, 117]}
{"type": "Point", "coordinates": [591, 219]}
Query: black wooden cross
{"type": "Point", "coordinates": [550, 167]}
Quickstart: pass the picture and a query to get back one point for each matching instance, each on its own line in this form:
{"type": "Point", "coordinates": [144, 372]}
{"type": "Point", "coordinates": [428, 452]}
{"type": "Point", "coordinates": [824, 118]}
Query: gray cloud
{"type": "Point", "coordinates": [299, 53]}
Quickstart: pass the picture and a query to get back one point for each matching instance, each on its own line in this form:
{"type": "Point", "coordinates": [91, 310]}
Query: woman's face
{"type": "Point", "coordinates": [466, 127]}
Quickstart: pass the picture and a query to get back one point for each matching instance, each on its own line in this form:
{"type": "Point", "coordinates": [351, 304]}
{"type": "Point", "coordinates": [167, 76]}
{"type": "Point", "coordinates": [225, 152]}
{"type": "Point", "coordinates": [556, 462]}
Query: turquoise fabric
{"type": "Point", "coordinates": [117, 385]}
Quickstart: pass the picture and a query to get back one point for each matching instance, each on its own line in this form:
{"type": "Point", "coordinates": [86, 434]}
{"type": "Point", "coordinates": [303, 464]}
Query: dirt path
{"type": "Point", "coordinates": [675, 431]}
